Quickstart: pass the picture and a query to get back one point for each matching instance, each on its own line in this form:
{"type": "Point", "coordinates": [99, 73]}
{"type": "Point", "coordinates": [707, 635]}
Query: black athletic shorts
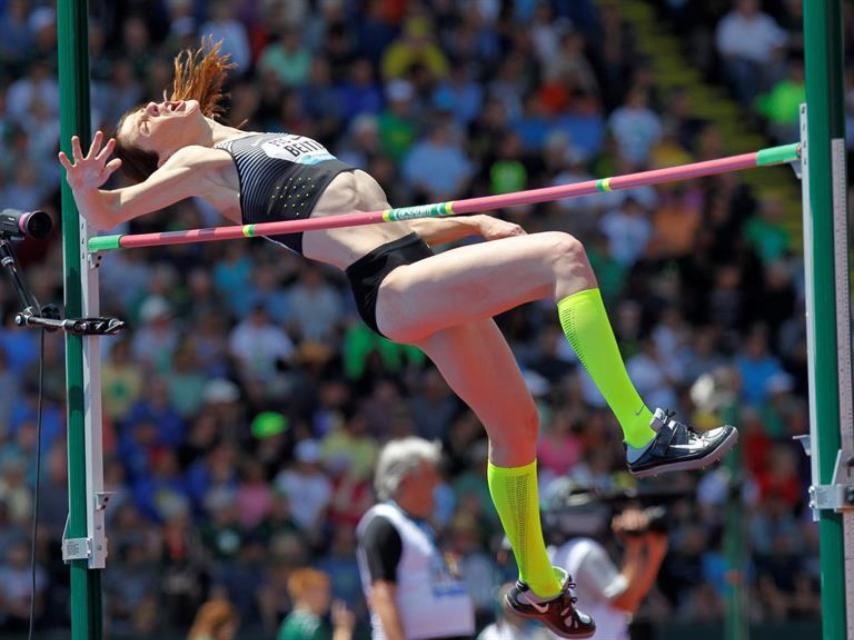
{"type": "Point", "coordinates": [368, 272]}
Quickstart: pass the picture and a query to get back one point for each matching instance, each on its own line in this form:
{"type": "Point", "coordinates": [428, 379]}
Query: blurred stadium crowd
{"type": "Point", "coordinates": [246, 404]}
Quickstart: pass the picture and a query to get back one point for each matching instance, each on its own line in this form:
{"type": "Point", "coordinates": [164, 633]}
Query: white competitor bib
{"type": "Point", "coordinates": [298, 149]}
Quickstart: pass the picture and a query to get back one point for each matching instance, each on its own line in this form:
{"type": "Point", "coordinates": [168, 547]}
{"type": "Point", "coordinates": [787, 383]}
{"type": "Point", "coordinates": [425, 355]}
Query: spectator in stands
{"type": "Point", "coordinates": [416, 47]}
{"type": "Point", "coordinates": [756, 367]}
{"type": "Point", "coordinates": [215, 620]}
{"type": "Point", "coordinates": [316, 309]}
{"type": "Point", "coordinates": [436, 167]}
{"type": "Point", "coordinates": [8, 382]}
{"type": "Point", "coordinates": [157, 339]}
{"type": "Point", "coordinates": [628, 230]}
{"type": "Point", "coordinates": [766, 232]}
{"type": "Point", "coordinates": [16, 36]}
{"type": "Point", "coordinates": [307, 487]}
{"type": "Point", "coordinates": [223, 27]}
{"type": "Point", "coordinates": [286, 59]}
{"type": "Point", "coordinates": [636, 128]}
{"type": "Point", "coordinates": [259, 345]}
{"type": "Point", "coordinates": [397, 123]}
{"type": "Point", "coordinates": [749, 42]}
{"type": "Point", "coordinates": [16, 588]}
{"type": "Point", "coordinates": [781, 105]}
{"type": "Point", "coordinates": [309, 590]}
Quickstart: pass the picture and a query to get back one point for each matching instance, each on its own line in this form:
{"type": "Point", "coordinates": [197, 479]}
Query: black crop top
{"type": "Point", "coordinates": [281, 178]}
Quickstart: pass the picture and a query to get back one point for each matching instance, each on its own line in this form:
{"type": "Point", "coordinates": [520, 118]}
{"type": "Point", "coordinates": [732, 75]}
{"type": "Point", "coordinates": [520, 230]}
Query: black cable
{"type": "Point", "coordinates": [36, 490]}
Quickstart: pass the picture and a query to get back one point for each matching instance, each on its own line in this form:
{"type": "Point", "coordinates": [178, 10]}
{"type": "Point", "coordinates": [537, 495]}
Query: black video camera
{"type": "Point", "coordinates": [574, 510]}
{"type": "Point", "coordinates": [15, 224]}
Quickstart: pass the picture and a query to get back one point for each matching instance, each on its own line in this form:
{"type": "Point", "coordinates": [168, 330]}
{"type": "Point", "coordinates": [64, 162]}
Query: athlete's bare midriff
{"type": "Point", "coordinates": [349, 191]}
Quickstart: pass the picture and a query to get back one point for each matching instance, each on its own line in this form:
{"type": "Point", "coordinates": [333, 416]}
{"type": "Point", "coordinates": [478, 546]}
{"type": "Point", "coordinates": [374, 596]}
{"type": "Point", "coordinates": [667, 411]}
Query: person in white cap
{"type": "Point", "coordinates": [306, 485]}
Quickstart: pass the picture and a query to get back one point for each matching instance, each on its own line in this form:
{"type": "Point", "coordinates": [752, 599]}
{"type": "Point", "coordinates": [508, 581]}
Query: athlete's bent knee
{"type": "Point", "coordinates": [564, 248]}
{"type": "Point", "coordinates": [568, 259]}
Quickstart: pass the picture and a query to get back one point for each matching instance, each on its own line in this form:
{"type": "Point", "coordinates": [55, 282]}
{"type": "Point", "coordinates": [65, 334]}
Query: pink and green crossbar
{"type": "Point", "coordinates": [763, 158]}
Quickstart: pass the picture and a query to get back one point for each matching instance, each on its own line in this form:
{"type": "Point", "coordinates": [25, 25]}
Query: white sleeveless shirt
{"type": "Point", "coordinates": [431, 602]}
{"type": "Point", "coordinates": [597, 581]}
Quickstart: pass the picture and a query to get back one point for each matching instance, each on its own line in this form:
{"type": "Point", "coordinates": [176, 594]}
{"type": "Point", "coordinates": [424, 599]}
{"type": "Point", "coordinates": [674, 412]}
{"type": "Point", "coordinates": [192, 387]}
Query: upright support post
{"type": "Point", "coordinates": [81, 539]}
{"type": "Point", "coordinates": [828, 316]}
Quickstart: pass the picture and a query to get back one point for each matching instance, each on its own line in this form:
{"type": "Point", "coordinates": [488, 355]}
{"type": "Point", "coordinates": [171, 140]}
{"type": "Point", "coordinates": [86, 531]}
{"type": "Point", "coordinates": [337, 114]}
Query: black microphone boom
{"type": "Point", "coordinates": [15, 224]}
{"type": "Point", "coordinates": [38, 224]}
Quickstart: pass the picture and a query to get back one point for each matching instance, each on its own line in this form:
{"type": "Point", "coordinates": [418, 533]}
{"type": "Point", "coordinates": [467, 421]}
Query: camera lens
{"type": "Point", "coordinates": [36, 224]}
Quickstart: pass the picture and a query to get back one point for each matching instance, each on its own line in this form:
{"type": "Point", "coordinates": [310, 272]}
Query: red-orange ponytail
{"type": "Point", "coordinates": [199, 75]}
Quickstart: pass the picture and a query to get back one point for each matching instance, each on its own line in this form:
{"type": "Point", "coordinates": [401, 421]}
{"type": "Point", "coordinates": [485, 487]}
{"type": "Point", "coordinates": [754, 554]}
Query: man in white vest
{"type": "Point", "coordinates": [411, 592]}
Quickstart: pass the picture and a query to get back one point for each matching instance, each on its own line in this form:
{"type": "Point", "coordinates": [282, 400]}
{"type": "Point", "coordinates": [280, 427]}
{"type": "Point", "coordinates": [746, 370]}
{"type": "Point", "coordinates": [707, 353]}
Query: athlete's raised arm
{"type": "Point", "coordinates": [181, 176]}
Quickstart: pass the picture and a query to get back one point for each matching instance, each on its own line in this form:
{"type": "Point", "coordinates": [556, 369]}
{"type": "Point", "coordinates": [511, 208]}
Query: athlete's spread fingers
{"type": "Point", "coordinates": [112, 165]}
{"type": "Point", "coordinates": [64, 161]}
{"type": "Point", "coordinates": [76, 152]}
{"type": "Point", "coordinates": [107, 151]}
{"type": "Point", "coordinates": [96, 144]}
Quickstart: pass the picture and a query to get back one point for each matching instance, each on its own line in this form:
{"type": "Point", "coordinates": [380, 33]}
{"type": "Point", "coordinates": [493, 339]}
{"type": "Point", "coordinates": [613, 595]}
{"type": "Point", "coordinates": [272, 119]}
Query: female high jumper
{"type": "Point", "coordinates": [444, 304]}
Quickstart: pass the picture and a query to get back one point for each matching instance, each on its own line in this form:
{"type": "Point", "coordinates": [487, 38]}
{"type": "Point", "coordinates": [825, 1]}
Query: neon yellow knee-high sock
{"type": "Point", "coordinates": [586, 326]}
{"type": "Point", "coordinates": [514, 492]}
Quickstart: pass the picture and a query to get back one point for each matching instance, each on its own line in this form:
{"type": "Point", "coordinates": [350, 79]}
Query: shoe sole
{"type": "Point", "coordinates": [692, 465]}
{"type": "Point", "coordinates": [577, 636]}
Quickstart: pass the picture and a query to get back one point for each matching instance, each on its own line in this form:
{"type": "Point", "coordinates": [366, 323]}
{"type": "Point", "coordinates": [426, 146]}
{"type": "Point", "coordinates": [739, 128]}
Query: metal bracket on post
{"type": "Point", "coordinates": [101, 500]}
{"type": "Point", "coordinates": [797, 167]}
{"type": "Point", "coordinates": [92, 548]}
{"type": "Point", "coordinates": [75, 548]}
{"type": "Point", "coordinates": [839, 495]}
{"type": "Point", "coordinates": [93, 259]}
{"type": "Point", "coordinates": [805, 442]}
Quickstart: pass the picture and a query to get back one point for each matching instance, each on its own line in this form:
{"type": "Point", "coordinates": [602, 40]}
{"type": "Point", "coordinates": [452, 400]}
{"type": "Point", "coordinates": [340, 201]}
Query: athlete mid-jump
{"type": "Point", "coordinates": [443, 303]}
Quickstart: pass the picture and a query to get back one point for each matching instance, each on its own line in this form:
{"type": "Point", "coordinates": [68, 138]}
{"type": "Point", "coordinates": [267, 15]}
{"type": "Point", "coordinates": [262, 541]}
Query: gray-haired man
{"type": "Point", "coordinates": [411, 593]}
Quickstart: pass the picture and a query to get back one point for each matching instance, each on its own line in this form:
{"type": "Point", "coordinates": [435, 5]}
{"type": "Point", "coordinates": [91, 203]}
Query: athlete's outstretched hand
{"type": "Point", "coordinates": [92, 170]}
{"type": "Point", "coordinates": [495, 228]}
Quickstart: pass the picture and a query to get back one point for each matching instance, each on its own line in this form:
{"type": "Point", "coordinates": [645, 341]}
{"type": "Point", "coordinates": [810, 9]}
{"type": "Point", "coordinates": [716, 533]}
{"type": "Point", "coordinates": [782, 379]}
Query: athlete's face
{"type": "Point", "coordinates": [161, 126]}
